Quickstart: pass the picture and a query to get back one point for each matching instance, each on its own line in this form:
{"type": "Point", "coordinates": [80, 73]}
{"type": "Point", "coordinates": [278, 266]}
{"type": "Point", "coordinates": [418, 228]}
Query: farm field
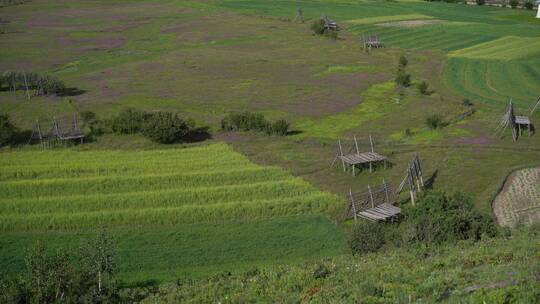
{"type": "Point", "coordinates": [518, 203]}
{"type": "Point", "coordinates": [174, 212]}
{"type": "Point", "coordinates": [244, 200]}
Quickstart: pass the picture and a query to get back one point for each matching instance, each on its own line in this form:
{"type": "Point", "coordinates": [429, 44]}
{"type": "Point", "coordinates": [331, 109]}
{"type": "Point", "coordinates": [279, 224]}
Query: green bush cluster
{"type": "Point", "coordinates": [161, 127]}
{"type": "Point", "coordinates": [402, 77]}
{"type": "Point", "coordinates": [435, 122]}
{"type": "Point", "coordinates": [528, 5]}
{"type": "Point", "coordinates": [423, 88]}
{"type": "Point", "coordinates": [39, 84]}
{"type": "Point", "coordinates": [514, 3]}
{"type": "Point", "coordinates": [318, 28]}
{"type": "Point", "coordinates": [439, 218]}
{"type": "Point", "coordinates": [4, 3]}
{"type": "Point", "coordinates": [247, 121]}
{"type": "Point", "coordinates": [65, 277]}
{"type": "Point", "coordinates": [366, 237]}
{"type": "Point", "coordinates": [7, 130]}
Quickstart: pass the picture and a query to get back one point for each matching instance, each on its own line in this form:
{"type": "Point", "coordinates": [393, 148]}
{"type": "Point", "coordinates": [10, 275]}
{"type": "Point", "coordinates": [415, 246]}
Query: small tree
{"type": "Point", "coordinates": [514, 3]}
{"type": "Point", "coordinates": [435, 122]}
{"type": "Point", "coordinates": [7, 130]}
{"type": "Point", "coordinates": [528, 5]}
{"type": "Point", "coordinates": [403, 62]}
{"type": "Point", "coordinates": [423, 87]}
{"type": "Point", "coordinates": [402, 78]}
{"type": "Point", "coordinates": [317, 26]}
{"type": "Point", "coordinates": [467, 102]}
{"type": "Point", "coordinates": [366, 237]}
{"type": "Point", "coordinates": [165, 128]}
{"type": "Point", "coordinates": [128, 122]}
{"type": "Point", "coordinates": [480, 2]}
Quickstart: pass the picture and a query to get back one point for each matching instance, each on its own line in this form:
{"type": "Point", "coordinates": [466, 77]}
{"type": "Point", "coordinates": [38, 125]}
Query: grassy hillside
{"type": "Point", "coordinates": [197, 210]}
{"type": "Point", "coordinates": [501, 270]}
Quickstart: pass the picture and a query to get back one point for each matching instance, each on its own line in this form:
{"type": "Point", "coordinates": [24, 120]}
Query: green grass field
{"type": "Point", "coordinates": [200, 210]}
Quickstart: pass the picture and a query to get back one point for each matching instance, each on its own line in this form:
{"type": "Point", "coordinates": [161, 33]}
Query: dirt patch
{"type": "Point", "coordinates": [480, 141]}
{"type": "Point", "coordinates": [518, 203]}
{"type": "Point", "coordinates": [411, 23]}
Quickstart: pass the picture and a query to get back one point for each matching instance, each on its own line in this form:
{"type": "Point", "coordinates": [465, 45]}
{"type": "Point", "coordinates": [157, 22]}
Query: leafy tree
{"type": "Point", "coordinates": [317, 26]}
{"type": "Point", "coordinates": [403, 62]}
{"type": "Point", "coordinates": [528, 5]}
{"type": "Point", "coordinates": [402, 78]}
{"type": "Point", "coordinates": [514, 3]}
{"type": "Point", "coordinates": [7, 130]}
{"type": "Point", "coordinates": [480, 2]}
{"type": "Point", "coordinates": [165, 128]}
{"type": "Point", "coordinates": [439, 217]}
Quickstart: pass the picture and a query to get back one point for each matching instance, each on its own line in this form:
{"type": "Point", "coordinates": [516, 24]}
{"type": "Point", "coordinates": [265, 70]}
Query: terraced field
{"type": "Point", "coordinates": [197, 209]}
{"type": "Point", "coordinates": [519, 201]}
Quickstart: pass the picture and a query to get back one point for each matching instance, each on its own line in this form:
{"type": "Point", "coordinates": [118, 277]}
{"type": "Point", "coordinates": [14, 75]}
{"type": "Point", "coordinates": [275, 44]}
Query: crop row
{"type": "Point", "coordinates": [214, 213]}
{"type": "Point", "coordinates": [157, 199]}
{"type": "Point", "coordinates": [128, 183]}
{"type": "Point", "coordinates": [505, 48]}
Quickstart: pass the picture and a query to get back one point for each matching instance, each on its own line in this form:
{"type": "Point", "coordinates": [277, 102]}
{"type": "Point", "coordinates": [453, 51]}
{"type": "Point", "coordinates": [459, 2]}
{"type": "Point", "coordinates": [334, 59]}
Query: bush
{"type": "Point", "coordinates": [165, 128]}
{"type": "Point", "coordinates": [438, 218]}
{"type": "Point", "coordinates": [480, 2]}
{"type": "Point", "coordinates": [317, 26]}
{"type": "Point", "coordinates": [94, 125]}
{"type": "Point", "coordinates": [528, 5]}
{"type": "Point", "coordinates": [435, 122]}
{"type": "Point", "coordinates": [423, 87]}
{"type": "Point", "coordinates": [247, 121]}
{"type": "Point", "coordinates": [280, 127]}
{"type": "Point", "coordinates": [403, 62]}
{"type": "Point", "coordinates": [514, 3]}
{"type": "Point", "coordinates": [128, 122]}
{"type": "Point", "coordinates": [7, 130]}
{"type": "Point", "coordinates": [402, 78]}
{"type": "Point", "coordinates": [39, 84]}
{"type": "Point", "coordinates": [467, 102]}
{"type": "Point", "coordinates": [366, 237]}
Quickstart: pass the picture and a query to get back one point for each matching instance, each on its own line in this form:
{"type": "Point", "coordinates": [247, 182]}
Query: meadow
{"type": "Point", "coordinates": [199, 210]}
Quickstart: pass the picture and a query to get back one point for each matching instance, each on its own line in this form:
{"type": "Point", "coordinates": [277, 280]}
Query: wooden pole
{"type": "Point", "coordinates": [371, 143]}
{"type": "Point", "coordinates": [341, 154]}
{"type": "Point", "coordinates": [356, 145]}
{"type": "Point", "coordinates": [386, 192]}
{"type": "Point", "coordinates": [353, 204]}
{"type": "Point", "coordinates": [371, 197]}
{"type": "Point", "coordinates": [26, 85]}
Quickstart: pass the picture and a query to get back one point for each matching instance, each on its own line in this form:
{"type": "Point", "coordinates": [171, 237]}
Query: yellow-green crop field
{"type": "Point", "coordinates": [174, 203]}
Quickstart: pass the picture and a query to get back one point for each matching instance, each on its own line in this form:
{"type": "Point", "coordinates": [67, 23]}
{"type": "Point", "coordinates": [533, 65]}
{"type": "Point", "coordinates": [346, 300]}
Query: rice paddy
{"type": "Point", "coordinates": [61, 194]}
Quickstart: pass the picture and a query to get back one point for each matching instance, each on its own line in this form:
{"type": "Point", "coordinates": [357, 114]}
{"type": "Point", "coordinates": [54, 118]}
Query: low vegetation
{"type": "Point", "coordinates": [247, 121]}
{"type": "Point", "coordinates": [36, 83]}
{"type": "Point", "coordinates": [7, 130]}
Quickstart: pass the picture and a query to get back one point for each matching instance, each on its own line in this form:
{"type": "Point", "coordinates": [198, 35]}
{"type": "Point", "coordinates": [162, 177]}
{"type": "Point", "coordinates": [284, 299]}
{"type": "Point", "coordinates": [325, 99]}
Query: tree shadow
{"type": "Point", "coordinates": [294, 132]}
{"type": "Point", "coordinates": [198, 135]}
{"type": "Point", "coordinates": [67, 92]}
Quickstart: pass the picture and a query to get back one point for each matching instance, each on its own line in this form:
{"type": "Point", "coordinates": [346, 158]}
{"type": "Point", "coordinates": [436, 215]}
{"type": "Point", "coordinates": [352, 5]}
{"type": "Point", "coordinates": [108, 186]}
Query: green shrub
{"type": "Point", "coordinates": [403, 62]}
{"type": "Point", "coordinates": [280, 127]}
{"type": "Point", "coordinates": [128, 122]}
{"type": "Point", "coordinates": [7, 130]}
{"type": "Point", "coordinates": [402, 78]}
{"type": "Point", "coordinates": [165, 128]}
{"type": "Point", "coordinates": [435, 122]}
{"type": "Point", "coordinates": [438, 218]}
{"type": "Point", "coordinates": [321, 272]}
{"type": "Point", "coordinates": [366, 237]}
{"type": "Point", "coordinates": [467, 102]}
{"type": "Point", "coordinates": [528, 5]}
{"type": "Point", "coordinates": [247, 121]}
{"type": "Point", "coordinates": [423, 87]}
{"type": "Point", "coordinates": [514, 3]}
{"type": "Point", "coordinates": [317, 26]}
{"type": "Point", "coordinates": [480, 2]}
